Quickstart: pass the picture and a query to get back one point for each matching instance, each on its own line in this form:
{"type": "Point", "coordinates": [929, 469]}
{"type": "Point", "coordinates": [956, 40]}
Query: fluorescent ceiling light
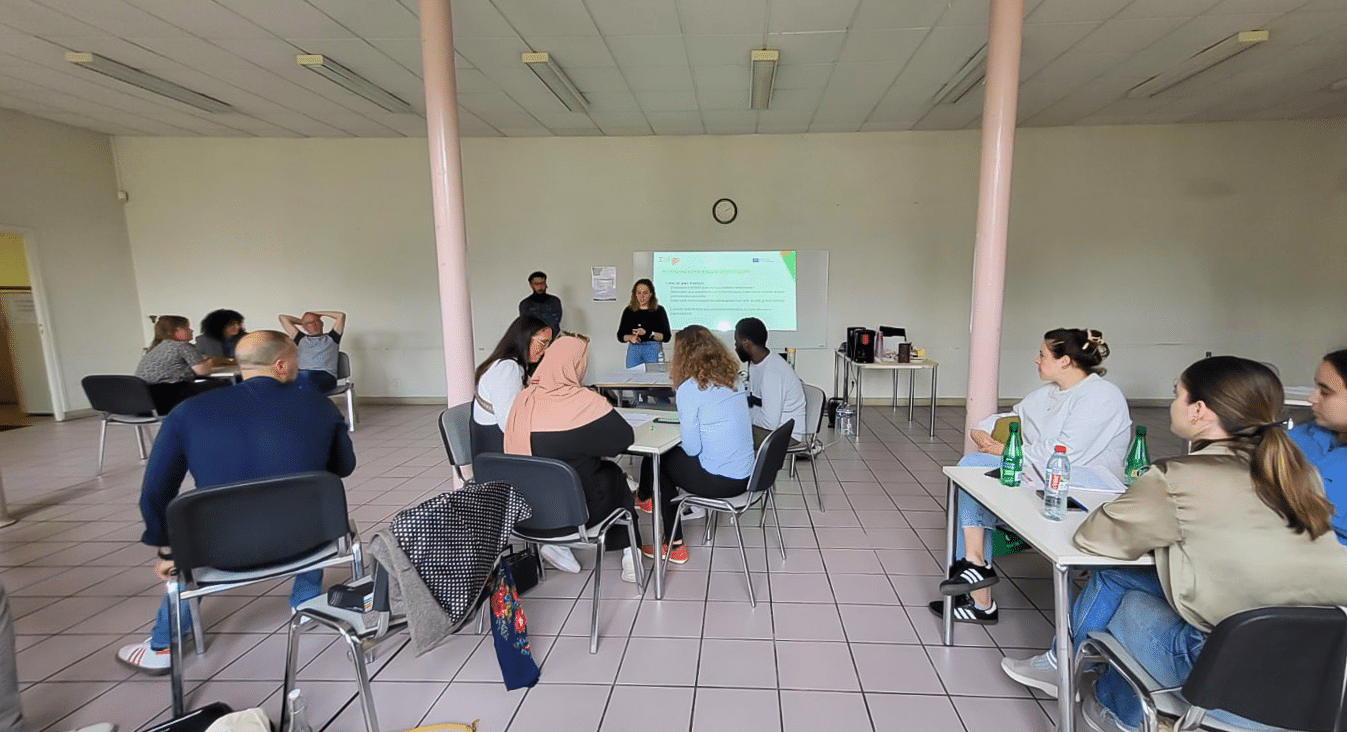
{"type": "Point", "coordinates": [1199, 62]}
{"type": "Point", "coordinates": [1338, 85]}
{"type": "Point", "coordinates": [354, 83]}
{"type": "Point", "coordinates": [968, 76]}
{"type": "Point", "coordinates": [763, 61]}
{"type": "Point", "coordinates": [148, 82]}
{"type": "Point", "coordinates": [554, 79]}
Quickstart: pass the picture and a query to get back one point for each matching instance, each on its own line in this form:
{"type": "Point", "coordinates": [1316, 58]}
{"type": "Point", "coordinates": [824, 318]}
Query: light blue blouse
{"type": "Point", "coordinates": [716, 428]}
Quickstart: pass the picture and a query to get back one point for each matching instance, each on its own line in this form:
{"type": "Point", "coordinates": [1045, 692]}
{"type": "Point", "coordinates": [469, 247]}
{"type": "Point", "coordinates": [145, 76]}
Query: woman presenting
{"type": "Point", "coordinates": [645, 325]}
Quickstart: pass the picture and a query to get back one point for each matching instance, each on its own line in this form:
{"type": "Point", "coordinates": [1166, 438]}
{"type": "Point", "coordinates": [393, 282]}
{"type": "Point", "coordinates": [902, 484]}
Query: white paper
{"type": "Point", "coordinates": [603, 283]}
{"type": "Point", "coordinates": [1089, 478]}
{"type": "Point", "coordinates": [636, 420]}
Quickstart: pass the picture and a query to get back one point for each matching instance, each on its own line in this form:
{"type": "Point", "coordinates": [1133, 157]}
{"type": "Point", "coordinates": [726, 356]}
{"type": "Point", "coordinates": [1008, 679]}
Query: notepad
{"type": "Point", "coordinates": [636, 420]}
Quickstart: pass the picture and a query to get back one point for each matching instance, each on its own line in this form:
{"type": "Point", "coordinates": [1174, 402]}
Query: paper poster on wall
{"type": "Point", "coordinates": [603, 283]}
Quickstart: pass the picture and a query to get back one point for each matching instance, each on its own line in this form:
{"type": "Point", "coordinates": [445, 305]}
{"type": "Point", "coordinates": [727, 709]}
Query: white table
{"type": "Point", "coordinates": [631, 380]}
{"type": "Point", "coordinates": [654, 439]}
{"type": "Point", "coordinates": [855, 370]}
{"type": "Point", "coordinates": [1297, 396]}
{"type": "Point", "coordinates": [1020, 509]}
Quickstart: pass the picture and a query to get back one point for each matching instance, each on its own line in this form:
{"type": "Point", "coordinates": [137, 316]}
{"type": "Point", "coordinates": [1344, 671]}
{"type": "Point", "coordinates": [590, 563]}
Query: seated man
{"type": "Point", "coordinates": [775, 393]}
{"type": "Point", "coordinates": [317, 350]}
{"type": "Point", "coordinates": [260, 428]}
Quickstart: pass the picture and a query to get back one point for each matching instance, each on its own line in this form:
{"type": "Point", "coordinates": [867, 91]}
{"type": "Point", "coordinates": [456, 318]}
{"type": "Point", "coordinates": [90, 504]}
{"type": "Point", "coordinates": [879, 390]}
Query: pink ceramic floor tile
{"type": "Point", "coordinates": [810, 711]}
{"type": "Point", "coordinates": [738, 663]}
{"type": "Point", "coordinates": [736, 710]}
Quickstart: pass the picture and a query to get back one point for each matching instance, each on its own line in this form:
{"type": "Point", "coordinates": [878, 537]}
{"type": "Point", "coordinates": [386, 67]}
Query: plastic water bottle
{"type": "Point", "coordinates": [1012, 458]}
{"type": "Point", "coordinates": [299, 721]}
{"type": "Point", "coordinates": [1058, 477]}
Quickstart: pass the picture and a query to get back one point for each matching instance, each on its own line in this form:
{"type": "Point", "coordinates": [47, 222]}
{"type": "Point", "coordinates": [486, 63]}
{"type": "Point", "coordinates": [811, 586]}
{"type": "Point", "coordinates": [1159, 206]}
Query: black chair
{"type": "Point", "coordinates": [345, 385]}
{"type": "Point", "coordinates": [252, 531]}
{"type": "Point", "coordinates": [1279, 666]}
{"type": "Point", "coordinates": [553, 490]}
{"type": "Point", "coordinates": [456, 432]}
{"type": "Point", "coordinates": [122, 400]}
{"type": "Point", "coordinates": [771, 457]}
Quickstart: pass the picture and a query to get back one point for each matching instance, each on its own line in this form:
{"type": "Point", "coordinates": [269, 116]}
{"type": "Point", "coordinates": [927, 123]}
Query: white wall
{"type": "Point", "coordinates": [1173, 240]}
{"type": "Point", "coordinates": [59, 189]}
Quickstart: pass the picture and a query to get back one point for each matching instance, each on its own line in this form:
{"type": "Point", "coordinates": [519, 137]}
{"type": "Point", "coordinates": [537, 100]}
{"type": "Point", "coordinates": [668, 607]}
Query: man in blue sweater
{"type": "Point", "coordinates": [260, 428]}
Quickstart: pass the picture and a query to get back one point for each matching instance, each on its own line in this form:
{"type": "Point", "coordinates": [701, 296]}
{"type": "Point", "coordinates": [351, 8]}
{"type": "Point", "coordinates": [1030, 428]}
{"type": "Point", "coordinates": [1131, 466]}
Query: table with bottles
{"type": "Point", "coordinates": [1021, 510]}
{"type": "Point", "coordinates": [852, 371]}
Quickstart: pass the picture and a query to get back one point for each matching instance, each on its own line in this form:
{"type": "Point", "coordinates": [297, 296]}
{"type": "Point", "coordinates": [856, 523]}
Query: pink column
{"type": "Point", "coordinates": [446, 187]}
{"type": "Point", "coordinates": [989, 254]}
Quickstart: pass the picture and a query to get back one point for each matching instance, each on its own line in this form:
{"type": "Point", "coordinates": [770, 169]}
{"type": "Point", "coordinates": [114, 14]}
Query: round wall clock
{"type": "Point", "coordinates": [724, 211]}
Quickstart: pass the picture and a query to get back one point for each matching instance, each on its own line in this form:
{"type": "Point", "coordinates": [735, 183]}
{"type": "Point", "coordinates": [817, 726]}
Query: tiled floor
{"type": "Point", "coordinates": [840, 638]}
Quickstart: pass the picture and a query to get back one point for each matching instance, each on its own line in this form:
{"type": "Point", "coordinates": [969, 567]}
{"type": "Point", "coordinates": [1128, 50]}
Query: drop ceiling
{"type": "Point", "coordinates": [664, 67]}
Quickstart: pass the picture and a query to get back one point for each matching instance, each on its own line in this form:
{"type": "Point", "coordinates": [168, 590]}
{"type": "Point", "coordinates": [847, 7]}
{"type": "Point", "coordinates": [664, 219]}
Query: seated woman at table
{"type": "Point", "coordinates": [715, 458]}
{"type": "Point", "coordinates": [556, 417]}
{"type": "Point", "coordinates": [1076, 408]}
{"type": "Point", "coordinates": [171, 365]}
{"type": "Point", "coordinates": [220, 332]}
{"type": "Point", "coordinates": [1324, 441]}
{"type": "Point", "coordinates": [502, 376]}
{"type": "Point", "coordinates": [1239, 523]}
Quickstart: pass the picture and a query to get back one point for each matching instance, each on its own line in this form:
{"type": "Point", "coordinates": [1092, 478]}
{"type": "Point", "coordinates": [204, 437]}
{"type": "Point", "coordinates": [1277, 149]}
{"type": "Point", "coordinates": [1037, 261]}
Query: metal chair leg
{"type": "Point", "coordinates": [362, 681]}
{"type": "Point", "coordinates": [635, 550]}
{"type": "Point", "coordinates": [291, 667]}
{"type": "Point", "coordinates": [777, 518]}
{"type": "Point", "coordinates": [792, 465]}
{"type": "Point", "coordinates": [818, 489]}
{"type": "Point", "coordinates": [350, 410]}
{"type": "Point", "coordinates": [175, 647]}
{"type": "Point", "coordinates": [140, 440]}
{"type": "Point", "coordinates": [102, 442]}
{"type": "Point", "coordinates": [743, 553]}
{"type": "Point", "coordinates": [198, 626]}
{"type": "Point", "coordinates": [594, 607]}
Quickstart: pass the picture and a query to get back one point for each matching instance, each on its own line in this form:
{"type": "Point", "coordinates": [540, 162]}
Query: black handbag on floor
{"type": "Point", "coordinates": [525, 565]}
{"type": "Point", "coordinates": [196, 720]}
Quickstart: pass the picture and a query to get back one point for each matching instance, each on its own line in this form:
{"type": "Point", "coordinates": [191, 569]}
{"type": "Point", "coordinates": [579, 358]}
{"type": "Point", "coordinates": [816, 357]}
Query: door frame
{"type": "Point", "coordinates": [49, 355]}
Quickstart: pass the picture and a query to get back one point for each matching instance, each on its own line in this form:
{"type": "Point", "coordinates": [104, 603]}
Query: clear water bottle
{"type": "Point", "coordinates": [299, 720]}
{"type": "Point", "coordinates": [846, 421]}
{"type": "Point", "coordinates": [1058, 477]}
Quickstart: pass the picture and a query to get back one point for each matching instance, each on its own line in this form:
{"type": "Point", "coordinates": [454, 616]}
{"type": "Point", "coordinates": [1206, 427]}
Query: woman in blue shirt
{"type": "Point", "coordinates": [716, 456]}
{"type": "Point", "coordinates": [1324, 441]}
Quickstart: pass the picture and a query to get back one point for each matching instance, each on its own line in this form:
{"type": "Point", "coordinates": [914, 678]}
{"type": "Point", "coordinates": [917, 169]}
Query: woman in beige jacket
{"type": "Point", "coordinates": [1239, 523]}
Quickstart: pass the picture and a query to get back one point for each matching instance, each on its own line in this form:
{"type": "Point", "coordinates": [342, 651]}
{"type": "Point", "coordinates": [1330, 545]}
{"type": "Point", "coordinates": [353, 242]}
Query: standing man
{"type": "Point", "coordinates": [541, 304]}
{"type": "Point", "coordinates": [260, 428]}
{"type": "Point", "coordinates": [774, 390]}
{"type": "Point", "coordinates": [317, 350]}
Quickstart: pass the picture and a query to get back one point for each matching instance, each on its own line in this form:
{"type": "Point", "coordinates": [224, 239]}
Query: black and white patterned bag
{"type": "Point", "coordinates": [453, 539]}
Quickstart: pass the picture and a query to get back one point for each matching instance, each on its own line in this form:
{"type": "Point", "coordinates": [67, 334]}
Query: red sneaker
{"type": "Point", "coordinates": [679, 555]}
{"type": "Point", "coordinates": [646, 506]}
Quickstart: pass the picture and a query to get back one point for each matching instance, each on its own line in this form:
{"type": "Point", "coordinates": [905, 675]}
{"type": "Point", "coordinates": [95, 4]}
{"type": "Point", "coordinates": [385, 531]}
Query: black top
{"type": "Point", "coordinates": [547, 307]}
{"type": "Point", "coordinates": [584, 448]}
{"type": "Point", "coordinates": [654, 321]}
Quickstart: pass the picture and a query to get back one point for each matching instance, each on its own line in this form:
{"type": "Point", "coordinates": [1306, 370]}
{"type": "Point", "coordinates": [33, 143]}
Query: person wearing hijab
{"type": "Point", "coordinates": [556, 417]}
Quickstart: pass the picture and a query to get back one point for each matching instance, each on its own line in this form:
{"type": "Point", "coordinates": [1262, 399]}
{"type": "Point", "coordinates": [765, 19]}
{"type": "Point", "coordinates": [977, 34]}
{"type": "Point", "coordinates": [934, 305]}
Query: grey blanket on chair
{"type": "Point", "coordinates": [427, 623]}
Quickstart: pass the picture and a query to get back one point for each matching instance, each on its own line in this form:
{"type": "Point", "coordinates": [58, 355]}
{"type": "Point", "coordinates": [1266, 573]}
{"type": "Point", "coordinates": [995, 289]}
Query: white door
{"type": "Point", "coordinates": [30, 367]}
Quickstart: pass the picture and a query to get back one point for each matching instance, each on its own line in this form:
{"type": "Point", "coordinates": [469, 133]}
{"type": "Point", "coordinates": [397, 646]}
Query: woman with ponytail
{"type": "Point", "coordinates": [1239, 523]}
{"type": "Point", "coordinates": [1324, 441]}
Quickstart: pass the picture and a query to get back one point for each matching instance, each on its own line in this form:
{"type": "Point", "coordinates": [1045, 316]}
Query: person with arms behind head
{"type": "Point", "coordinates": [1076, 408]}
{"type": "Point", "coordinates": [220, 332]}
{"type": "Point", "coordinates": [260, 428]}
{"type": "Point", "coordinates": [556, 417]}
{"type": "Point", "coordinates": [644, 326]}
{"type": "Point", "coordinates": [1239, 523]}
{"type": "Point", "coordinates": [319, 352]}
{"type": "Point", "coordinates": [171, 366]}
{"type": "Point", "coordinates": [542, 305]}
{"type": "Point", "coordinates": [1324, 441]}
{"type": "Point", "coordinates": [775, 393]}
{"type": "Point", "coordinates": [502, 376]}
{"type": "Point", "coordinates": [715, 458]}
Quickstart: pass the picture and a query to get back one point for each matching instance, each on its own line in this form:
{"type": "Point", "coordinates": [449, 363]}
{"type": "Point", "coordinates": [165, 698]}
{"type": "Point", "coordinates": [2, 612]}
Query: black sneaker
{"type": "Point", "coordinates": [966, 612]}
{"type": "Point", "coordinates": [964, 577]}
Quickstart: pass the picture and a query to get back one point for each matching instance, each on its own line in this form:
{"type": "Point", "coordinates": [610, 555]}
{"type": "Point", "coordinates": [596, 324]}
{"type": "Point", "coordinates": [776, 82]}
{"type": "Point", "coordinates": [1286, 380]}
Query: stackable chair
{"type": "Point", "coordinates": [812, 444]}
{"type": "Point", "coordinates": [123, 400]}
{"type": "Point", "coordinates": [345, 385]}
{"type": "Point", "coordinates": [456, 432]}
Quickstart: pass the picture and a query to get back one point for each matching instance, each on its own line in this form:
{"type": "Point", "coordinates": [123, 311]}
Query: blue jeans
{"type": "Point", "coordinates": [307, 586]}
{"type": "Point", "coordinates": [1130, 604]}
{"type": "Point", "coordinates": [972, 513]}
{"type": "Point", "coordinates": [315, 379]}
{"type": "Point", "coordinates": [639, 353]}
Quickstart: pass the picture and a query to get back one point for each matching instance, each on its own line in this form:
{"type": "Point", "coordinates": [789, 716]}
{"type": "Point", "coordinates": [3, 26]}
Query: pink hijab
{"type": "Point", "coordinates": [554, 400]}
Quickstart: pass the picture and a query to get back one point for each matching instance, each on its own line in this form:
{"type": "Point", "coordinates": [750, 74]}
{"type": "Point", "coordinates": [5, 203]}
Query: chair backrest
{"type": "Point", "coordinates": [551, 487]}
{"type": "Point", "coordinates": [771, 456]}
{"type": "Point", "coordinates": [1282, 666]}
{"type": "Point", "coordinates": [343, 365]}
{"type": "Point", "coordinates": [256, 523]}
{"type": "Point", "coordinates": [118, 394]}
{"type": "Point", "coordinates": [814, 399]}
{"type": "Point", "coordinates": [456, 432]}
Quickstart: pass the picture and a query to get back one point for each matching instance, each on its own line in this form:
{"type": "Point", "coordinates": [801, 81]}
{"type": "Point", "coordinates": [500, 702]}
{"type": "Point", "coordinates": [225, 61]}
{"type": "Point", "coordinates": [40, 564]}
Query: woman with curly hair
{"type": "Point", "coordinates": [220, 331]}
{"type": "Point", "coordinates": [716, 457]}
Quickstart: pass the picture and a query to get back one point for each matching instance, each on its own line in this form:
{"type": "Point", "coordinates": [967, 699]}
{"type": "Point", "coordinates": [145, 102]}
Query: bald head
{"type": "Point", "coordinates": [267, 353]}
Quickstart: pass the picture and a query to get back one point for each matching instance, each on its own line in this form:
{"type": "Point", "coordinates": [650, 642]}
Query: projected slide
{"type": "Point", "coordinates": [716, 289]}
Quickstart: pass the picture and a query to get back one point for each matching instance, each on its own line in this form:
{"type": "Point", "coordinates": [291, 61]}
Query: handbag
{"type": "Point", "coordinates": [525, 566]}
{"type": "Point", "coordinates": [510, 633]}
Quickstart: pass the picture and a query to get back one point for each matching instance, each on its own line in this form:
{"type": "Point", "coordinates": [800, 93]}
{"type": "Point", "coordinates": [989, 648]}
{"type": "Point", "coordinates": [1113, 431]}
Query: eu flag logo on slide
{"type": "Point", "coordinates": [755, 260]}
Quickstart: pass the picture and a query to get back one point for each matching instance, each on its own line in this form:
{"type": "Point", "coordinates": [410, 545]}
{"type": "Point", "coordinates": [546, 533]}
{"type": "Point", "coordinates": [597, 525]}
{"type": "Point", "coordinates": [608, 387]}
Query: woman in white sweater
{"type": "Point", "coordinates": [1076, 408]}
{"type": "Point", "coordinates": [502, 376]}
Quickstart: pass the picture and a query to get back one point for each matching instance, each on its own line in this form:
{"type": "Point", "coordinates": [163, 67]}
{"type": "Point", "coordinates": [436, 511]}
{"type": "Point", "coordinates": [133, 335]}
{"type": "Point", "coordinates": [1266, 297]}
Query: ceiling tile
{"type": "Point", "coordinates": [1166, 8]}
{"type": "Point", "coordinates": [201, 54]}
{"type": "Point", "coordinates": [667, 101]}
{"type": "Point", "coordinates": [1126, 36]}
{"type": "Point", "coordinates": [40, 20]}
{"type": "Point", "coordinates": [966, 12]}
{"type": "Point", "coordinates": [115, 17]}
{"type": "Point", "coordinates": [631, 51]}
{"type": "Point", "coordinates": [618, 101]}
{"type": "Point", "coordinates": [565, 120]}
{"type": "Point", "coordinates": [479, 19]}
{"type": "Point", "coordinates": [597, 80]}
{"type": "Point", "coordinates": [882, 45]}
{"type": "Point", "coordinates": [813, 48]}
{"type": "Point", "coordinates": [675, 123]}
{"type": "Point", "coordinates": [371, 20]}
{"type": "Point", "coordinates": [634, 17]}
{"type": "Point", "coordinates": [621, 123]}
{"type": "Point", "coordinates": [826, 127]}
{"type": "Point", "coordinates": [1238, 7]}
{"type": "Point", "coordinates": [572, 51]}
{"type": "Point", "coordinates": [885, 126]}
{"type": "Point", "coordinates": [203, 18]}
{"type": "Point", "coordinates": [722, 78]}
{"type": "Point", "coordinates": [798, 100]}
{"type": "Point", "coordinates": [288, 18]}
{"type": "Point", "coordinates": [855, 114]}
{"type": "Point", "coordinates": [117, 49]}
{"type": "Point", "coordinates": [492, 52]}
{"type": "Point", "coordinates": [723, 17]}
{"type": "Point", "coordinates": [1075, 11]}
{"type": "Point", "coordinates": [786, 16]}
{"type": "Point", "coordinates": [659, 78]}
{"type": "Point", "coordinates": [551, 18]}
{"type": "Point", "coordinates": [718, 100]}
{"type": "Point", "coordinates": [887, 14]}
{"type": "Point", "coordinates": [407, 52]}
{"type": "Point", "coordinates": [721, 50]}
{"type": "Point", "coordinates": [802, 76]}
